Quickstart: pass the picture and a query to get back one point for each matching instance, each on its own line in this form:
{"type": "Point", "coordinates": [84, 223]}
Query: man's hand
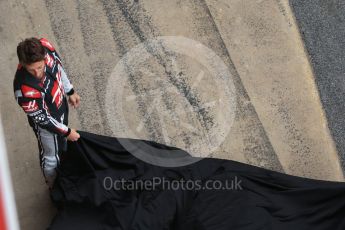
{"type": "Point", "coordinates": [74, 100]}
{"type": "Point", "coordinates": [73, 136]}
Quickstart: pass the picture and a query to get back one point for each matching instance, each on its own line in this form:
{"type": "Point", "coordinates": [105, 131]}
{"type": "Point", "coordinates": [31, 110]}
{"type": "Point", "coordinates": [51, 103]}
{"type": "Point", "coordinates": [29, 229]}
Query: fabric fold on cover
{"type": "Point", "coordinates": [88, 194]}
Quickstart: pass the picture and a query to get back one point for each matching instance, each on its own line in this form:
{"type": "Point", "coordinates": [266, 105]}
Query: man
{"type": "Point", "coordinates": [41, 88]}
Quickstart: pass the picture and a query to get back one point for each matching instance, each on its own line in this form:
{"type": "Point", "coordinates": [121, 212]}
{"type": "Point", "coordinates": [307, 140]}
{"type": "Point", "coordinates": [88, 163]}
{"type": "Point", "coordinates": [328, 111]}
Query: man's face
{"type": "Point", "coordinates": [36, 69]}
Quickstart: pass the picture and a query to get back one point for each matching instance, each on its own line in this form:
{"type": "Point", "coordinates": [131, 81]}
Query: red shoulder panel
{"type": "Point", "coordinates": [47, 44]}
{"type": "Point", "coordinates": [30, 92]}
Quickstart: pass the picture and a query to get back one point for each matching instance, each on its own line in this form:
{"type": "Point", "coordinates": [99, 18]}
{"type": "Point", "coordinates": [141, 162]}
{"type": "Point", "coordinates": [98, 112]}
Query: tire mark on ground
{"type": "Point", "coordinates": [130, 13]}
{"type": "Point", "coordinates": [126, 39]}
{"type": "Point", "coordinates": [99, 48]}
{"type": "Point", "coordinates": [143, 30]}
{"type": "Point", "coordinates": [75, 62]}
{"type": "Point", "coordinates": [258, 149]}
{"type": "Point", "coordinates": [28, 14]}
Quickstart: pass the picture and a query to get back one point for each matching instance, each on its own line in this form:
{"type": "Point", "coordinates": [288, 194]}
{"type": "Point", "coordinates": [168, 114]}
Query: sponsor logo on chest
{"type": "Point", "coordinates": [54, 87]}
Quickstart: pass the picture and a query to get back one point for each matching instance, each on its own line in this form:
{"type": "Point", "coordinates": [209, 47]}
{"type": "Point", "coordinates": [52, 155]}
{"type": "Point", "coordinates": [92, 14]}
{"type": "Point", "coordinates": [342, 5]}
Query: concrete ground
{"type": "Point", "coordinates": [265, 111]}
{"type": "Point", "coordinates": [322, 26]}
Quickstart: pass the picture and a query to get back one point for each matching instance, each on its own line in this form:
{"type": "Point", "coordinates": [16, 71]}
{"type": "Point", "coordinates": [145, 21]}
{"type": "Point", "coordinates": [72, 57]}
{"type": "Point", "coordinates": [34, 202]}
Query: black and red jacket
{"type": "Point", "coordinates": [45, 101]}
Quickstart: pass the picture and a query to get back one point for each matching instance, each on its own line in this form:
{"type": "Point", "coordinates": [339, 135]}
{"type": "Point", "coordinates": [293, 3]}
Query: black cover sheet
{"type": "Point", "coordinates": [257, 198]}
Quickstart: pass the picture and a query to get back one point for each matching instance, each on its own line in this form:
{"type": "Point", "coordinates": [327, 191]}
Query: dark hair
{"type": "Point", "coordinates": [30, 50]}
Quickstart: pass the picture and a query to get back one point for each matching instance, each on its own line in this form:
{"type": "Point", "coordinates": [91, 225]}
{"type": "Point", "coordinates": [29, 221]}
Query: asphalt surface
{"type": "Point", "coordinates": [279, 122]}
{"type": "Point", "coordinates": [322, 26]}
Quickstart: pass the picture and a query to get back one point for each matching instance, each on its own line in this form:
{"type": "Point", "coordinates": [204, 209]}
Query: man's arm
{"type": "Point", "coordinates": [74, 98]}
{"type": "Point", "coordinates": [34, 106]}
{"type": "Point", "coordinates": [68, 87]}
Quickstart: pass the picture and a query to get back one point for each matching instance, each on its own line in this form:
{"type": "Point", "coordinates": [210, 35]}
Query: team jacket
{"type": "Point", "coordinates": [45, 101]}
